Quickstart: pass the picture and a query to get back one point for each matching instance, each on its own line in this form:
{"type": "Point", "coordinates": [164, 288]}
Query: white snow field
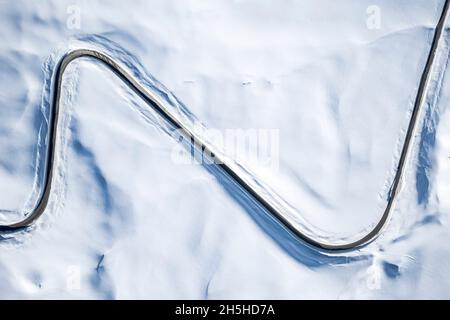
{"type": "Point", "coordinates": [335, 80]}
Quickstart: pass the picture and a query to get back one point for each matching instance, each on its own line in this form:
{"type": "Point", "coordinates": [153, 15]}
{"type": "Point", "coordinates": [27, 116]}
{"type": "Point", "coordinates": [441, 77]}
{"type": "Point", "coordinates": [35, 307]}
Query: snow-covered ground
{"type": "Point", "coordinates": [335, 79]}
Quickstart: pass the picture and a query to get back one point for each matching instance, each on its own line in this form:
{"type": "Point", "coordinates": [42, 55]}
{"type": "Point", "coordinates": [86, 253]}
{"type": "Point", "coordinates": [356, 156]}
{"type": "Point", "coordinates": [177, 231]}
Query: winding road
{"type": "Point", "coordinates": [160, 106]}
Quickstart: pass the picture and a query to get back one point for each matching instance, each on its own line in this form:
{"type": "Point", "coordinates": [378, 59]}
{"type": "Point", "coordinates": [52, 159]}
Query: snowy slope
{"type": "Point", "coordinates": [126, 221]}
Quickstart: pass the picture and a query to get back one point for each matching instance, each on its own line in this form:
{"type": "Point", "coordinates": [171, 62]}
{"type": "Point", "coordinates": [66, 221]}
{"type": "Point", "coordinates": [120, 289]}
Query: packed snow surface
{"type": "Point", "coordinates": [333, 81]}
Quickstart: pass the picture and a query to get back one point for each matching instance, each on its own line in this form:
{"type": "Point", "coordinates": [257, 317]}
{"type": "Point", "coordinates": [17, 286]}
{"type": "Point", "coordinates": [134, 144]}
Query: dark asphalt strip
{"type": "Point", "coordinates": [159, 106]}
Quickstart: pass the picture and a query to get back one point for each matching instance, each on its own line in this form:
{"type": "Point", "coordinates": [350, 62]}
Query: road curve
{"type": "Point", "coordinates": [159, 105]}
